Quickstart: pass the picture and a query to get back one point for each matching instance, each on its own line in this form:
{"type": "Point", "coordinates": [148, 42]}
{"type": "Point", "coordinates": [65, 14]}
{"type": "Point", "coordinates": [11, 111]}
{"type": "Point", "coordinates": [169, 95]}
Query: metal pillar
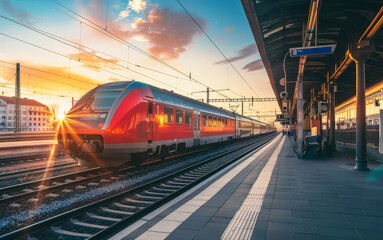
{"type": "Point", "coordinates": [242, 108]}
{"type": "Point", "coordinates": [359, 56]}
{"type": "Point", "coordinates": [380, 132]}
{"type": "Point", "coordinates": [290, 114]}
{"type": "Point", "coordinates": [332, 120]}
{"type": "Point", "coordinates": [17, 96]}
{"type": "Point", "coordinates": [300, 118]}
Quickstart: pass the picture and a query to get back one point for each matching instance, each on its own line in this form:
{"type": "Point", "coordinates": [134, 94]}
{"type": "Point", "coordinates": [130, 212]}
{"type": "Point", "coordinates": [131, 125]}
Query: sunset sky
{"type": "Point", "coordinates": [64, 50]}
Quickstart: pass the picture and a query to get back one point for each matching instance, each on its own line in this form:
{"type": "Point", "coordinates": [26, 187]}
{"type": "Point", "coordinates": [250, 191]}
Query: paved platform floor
{"type": "Point", "coordinates": [274, 195]}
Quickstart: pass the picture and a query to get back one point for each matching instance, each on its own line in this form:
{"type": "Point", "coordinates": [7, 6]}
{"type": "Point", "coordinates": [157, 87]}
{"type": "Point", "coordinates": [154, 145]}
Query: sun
{"type": "Point", "coordinates": [61, 116]}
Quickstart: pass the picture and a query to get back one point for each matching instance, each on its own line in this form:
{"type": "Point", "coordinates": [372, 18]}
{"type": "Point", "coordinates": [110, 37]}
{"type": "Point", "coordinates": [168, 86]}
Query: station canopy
{"type": "Point", "coordinates": [279, 25]}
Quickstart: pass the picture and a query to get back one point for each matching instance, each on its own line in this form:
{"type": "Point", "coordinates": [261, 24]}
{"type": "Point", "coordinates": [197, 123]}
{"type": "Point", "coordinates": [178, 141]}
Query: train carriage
{"type": "Point", "coordinates": [127, 121]}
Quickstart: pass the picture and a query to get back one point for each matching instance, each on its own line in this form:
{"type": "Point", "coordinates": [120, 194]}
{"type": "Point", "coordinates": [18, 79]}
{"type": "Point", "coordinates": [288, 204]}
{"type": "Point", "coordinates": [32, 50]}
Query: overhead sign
{"type": "Point", "coordinates": [322, 107]}
{"type": "Point", "coordinates": [282, 118]}
{"type": "Point", "coordinates": [316, 50]}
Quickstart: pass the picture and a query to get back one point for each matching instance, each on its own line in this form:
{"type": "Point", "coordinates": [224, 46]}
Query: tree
{"type": "Point", "coordinates": [54, 110]}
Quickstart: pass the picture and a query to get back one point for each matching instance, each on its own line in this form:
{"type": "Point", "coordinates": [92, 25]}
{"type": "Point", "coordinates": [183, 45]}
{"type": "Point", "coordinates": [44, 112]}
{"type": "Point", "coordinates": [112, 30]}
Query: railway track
{"type": "Point", "coordinates": [101, 218]}
{"type": "Point", "coordinates": [32, 157]}
{"type": "Point", "coordinates": [26, 136]}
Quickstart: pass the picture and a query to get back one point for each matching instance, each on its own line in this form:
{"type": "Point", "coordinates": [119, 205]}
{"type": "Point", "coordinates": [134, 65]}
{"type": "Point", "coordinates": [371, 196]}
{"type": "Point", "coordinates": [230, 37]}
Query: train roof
{"type": "Point", "coordinates": [173, 99]}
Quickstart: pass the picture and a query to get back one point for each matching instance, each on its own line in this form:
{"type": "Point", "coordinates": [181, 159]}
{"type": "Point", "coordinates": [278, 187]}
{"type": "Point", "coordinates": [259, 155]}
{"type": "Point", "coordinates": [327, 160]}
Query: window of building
{"type": "Point", "coordinates": [187, 118]}
{"type": "Point", "coordinates": [30, 124]}
{"type": "Point", "coordinates": [39, 119]}
{"type": "Point", "coordinates": [9, 117]}
{"type": "Point", "coordinates": [376, 121]}
{"type": "Point", "coordinates": [39, 124]}
{"type": "Point", "coordinates": [168, 112]}
{"type": "Point", "coordinates": [34, 119]}
{"type": "Point", "coordinates": [34, 124]}
{"type": "Point", "coordinates": [179, 116]}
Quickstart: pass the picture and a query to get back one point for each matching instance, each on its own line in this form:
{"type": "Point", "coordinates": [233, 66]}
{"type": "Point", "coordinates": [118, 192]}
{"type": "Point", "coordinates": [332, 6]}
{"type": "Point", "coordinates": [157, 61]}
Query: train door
{"type": "Point", "coordinates": [197, 128]}
{"type": "Point", "coordinates": [150, 123]}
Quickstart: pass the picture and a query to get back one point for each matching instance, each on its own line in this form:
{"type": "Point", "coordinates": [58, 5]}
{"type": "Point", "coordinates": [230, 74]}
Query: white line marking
{"type": "Point", "coordinates": [243, 222]}
{"type": "Point", "coordinates": [159, 231]}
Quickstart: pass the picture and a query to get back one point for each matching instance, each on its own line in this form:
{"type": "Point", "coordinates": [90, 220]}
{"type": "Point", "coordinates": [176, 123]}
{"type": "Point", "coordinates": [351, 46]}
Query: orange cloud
{"type": "Point", "coordinates": [168, 32]}
{"type": "Point", "coordinates": [96, 61]}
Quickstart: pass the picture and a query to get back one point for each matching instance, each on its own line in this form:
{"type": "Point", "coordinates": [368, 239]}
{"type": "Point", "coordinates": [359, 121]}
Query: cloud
{"type": "Point", "coordinates": [137, 5]}
{"type": "Point", "coordinates": [168, 32]}
{"type": "Point", "coordinates": [123, 14]}
{"type": "Point", "coordinates": [220, 38]}
{"type": "Point", "coordinates": [243, 53]}
{"type": "Point", "coordinates": [254, 66]}
{"type": "Point", "coordinates": [229, 29]}
{"type": "Point", "coordinates": [96, 61]}
{"type": "Point", "coordinates": [16, 12]}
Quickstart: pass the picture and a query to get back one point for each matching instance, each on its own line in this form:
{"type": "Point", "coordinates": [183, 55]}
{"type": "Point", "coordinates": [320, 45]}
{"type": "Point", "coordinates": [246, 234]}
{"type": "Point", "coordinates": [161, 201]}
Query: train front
{"type": "Point", "coordinates": [83, 132]}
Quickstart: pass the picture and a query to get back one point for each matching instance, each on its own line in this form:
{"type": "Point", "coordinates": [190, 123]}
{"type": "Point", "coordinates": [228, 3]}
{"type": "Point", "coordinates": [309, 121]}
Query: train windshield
{"type": "Point", "coordinates": [99, 100]}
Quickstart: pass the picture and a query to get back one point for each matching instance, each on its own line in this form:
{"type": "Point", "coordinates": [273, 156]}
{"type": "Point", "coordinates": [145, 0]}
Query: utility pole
{"type": "Point", "coordinates": [17, 96]}
{"type": "Point", "coordinates": [207, 95]}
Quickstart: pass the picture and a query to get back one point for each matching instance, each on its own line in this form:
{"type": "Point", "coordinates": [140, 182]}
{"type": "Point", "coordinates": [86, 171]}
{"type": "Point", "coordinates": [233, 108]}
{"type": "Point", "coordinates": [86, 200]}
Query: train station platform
{"type": "Point", "coordinates": [271, 194]}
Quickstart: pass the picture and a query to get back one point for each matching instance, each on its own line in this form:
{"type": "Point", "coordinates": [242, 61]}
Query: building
{"type": "Point", "coordinates": [345, 113]}
{"type": "Point", "coordinates": [34, 116]}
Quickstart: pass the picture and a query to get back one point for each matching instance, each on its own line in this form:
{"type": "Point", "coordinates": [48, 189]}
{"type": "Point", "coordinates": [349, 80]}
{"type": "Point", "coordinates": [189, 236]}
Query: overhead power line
{"type": "Point", "coordinates": [55, 74]}
{"type": "Point", "coordinates": [106, 32]}
{"type": "Point", "coordinates": [215, 45]}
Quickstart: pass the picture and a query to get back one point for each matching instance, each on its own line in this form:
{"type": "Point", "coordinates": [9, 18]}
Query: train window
{"type": "Point", "coordinates": [219, 122]}
{"type": "Point", "coordinates": [150, 108]}
{"type": "Point", "coordinates": [215, 122]}
{"type": "Point", "coordinates": [187, 118]}
{"type": "Point", "coordinates": [168, 118]}
{"type": "Point", "coordinates": [225, 122]}
{"type": "Point", "coordinates": [210, 121]}
{"type": "Point", "coordinates": [204, 120]}
{"type": "Point", "coordinates": [179, 116]}
{"type": "Point", "coordinates": [101, 98]}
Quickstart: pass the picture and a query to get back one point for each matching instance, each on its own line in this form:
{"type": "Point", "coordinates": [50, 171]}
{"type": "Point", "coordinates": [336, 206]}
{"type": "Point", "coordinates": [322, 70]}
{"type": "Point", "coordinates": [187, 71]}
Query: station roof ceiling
{"type": "Point", "coordinates": [278, 25]}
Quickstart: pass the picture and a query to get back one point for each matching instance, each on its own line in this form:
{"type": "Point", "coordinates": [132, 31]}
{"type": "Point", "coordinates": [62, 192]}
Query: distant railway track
{"type": "Point", "coordinates": [27, 136]}
{"type": "Point", "coordinates": [99, 219]}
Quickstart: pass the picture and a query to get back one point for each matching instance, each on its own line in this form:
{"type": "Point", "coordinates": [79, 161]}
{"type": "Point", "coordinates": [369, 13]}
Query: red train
{"type": "Point", "coordinates": [127, 121]}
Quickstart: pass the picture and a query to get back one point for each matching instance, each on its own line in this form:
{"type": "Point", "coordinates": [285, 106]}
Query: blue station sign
{"type": "Point", "coordinates": [315, 50]}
